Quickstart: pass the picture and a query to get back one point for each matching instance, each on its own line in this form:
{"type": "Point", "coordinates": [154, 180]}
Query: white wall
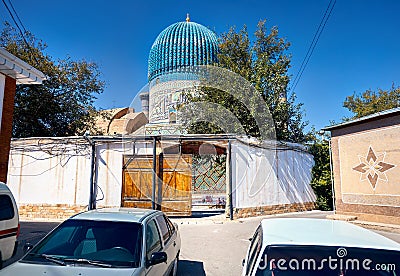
{"type": "Point", "coordinates": [264, 177]}
{"type": "Point", "coordinates": [58, 172]}
{"type": "Point", "coordinates": [42, 175]}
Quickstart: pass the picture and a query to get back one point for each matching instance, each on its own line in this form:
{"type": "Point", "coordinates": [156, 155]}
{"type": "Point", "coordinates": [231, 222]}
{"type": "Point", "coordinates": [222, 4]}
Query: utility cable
{"type": "Point", "coordinates": [314, 42]}
{"type": "Point", "coordinates": [16, 14]}
{"type": "Point", "coordinates": [19, 28]}
{"type": "Point", "coordinates": [15, 22]}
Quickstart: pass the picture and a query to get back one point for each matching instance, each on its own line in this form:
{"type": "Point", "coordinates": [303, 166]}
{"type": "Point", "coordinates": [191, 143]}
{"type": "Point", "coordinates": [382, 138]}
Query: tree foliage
{"type": "Point", "coordinates": [63, 104]}
{"type": "Point", "coordinates": [265, 65]}
{"type": "Point", "coordinates": [321, 174]}
{"type": "Point", "coordinates": [370, 102]}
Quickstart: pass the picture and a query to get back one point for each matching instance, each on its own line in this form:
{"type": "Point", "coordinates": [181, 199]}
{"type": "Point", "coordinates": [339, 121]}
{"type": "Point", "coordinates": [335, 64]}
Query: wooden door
{"type": "Point", "coordinates": [173, 183]}
{"type": "Point", "coordinates": [176, 171]}
{"type": "Point", "coordinates": [137, 182]}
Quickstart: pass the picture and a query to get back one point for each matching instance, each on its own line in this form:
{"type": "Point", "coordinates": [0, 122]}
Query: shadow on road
{"type": "Point", "coordinates": [186, 267]}
{"type": "Point", "coordinates": [203, 214]}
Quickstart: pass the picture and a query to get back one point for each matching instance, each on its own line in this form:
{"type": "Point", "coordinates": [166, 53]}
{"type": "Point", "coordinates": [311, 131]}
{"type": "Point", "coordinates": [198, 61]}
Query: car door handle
{"type": "Point", "coordinates": [174, 243]}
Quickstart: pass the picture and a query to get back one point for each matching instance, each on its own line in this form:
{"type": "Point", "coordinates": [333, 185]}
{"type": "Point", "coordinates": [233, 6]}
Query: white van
{"type": "Point", "coordinates": [9, 224]}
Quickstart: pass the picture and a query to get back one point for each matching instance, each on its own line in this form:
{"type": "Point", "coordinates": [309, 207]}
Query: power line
{"type": "Point", "coordinates": [15, 22]}
{"type": "Point", "coordinates": [16, 14]}
{"type": "Point", "coordinates": [314, 42]}
{"type": "Point", "coordinates": [19, 28]}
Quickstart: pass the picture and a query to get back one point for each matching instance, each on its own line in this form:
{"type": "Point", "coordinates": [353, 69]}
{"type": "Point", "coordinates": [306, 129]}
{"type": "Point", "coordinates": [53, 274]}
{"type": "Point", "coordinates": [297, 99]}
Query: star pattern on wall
{"type": "Point", "coordinates": [373, 167]}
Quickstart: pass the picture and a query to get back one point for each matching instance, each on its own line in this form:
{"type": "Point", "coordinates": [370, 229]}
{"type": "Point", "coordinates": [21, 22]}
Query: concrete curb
{"type": "Point", "coordinates": [222, 219]}
{"type": "Point", "coordinates": [393, 228]}
{"type": "Point", "coordinates": [27, 219]}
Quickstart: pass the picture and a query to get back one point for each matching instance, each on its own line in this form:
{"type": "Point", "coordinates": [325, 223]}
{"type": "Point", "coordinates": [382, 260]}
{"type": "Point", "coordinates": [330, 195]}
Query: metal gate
{"type": "Point", "coordinates": [209, 182]}
{"type": "Point", "coordinates": [173, 183]}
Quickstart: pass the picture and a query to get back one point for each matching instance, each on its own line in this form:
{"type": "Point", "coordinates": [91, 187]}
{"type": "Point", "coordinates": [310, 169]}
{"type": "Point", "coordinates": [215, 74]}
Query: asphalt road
{"type": "Point", "coordinates": [211, 245]}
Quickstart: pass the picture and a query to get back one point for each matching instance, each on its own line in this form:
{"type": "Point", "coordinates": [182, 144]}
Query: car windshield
{"type": "Point", "coordinates": [87, 242]}
{"type": "Point", "coordinates": [328, 260]}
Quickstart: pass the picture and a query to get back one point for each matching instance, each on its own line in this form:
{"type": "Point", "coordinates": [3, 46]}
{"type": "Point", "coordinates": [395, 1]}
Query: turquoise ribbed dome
{"type": "Point", "coordinates": [180, 45]}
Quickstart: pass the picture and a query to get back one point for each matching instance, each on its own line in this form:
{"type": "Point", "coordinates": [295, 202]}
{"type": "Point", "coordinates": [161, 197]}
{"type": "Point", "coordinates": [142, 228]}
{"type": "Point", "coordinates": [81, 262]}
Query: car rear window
{"type": "Point", "coordinates": [163, 227]}
{"type": "Point", "coordinates": [328, 260]}
{"type": "Point", "coordinates": [6, 208]}
{"type": "Point", "coordinates": [171, 226]}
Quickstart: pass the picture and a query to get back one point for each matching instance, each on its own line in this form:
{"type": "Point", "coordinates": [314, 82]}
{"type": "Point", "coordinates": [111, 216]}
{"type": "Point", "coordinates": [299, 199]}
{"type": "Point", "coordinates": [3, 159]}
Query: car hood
{"type": "Point", "coordinates": [19, 268]}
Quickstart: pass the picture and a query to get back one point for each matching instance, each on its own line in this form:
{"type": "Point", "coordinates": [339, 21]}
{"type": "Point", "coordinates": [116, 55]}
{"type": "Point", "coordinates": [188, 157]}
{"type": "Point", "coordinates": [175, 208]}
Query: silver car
{"type": "Point", "coordinates": [123, 241]}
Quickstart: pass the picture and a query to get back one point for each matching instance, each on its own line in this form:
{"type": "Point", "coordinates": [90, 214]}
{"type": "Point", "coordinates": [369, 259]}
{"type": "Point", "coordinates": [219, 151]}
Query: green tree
{"type": "Point", "coordinates": [370, 102]}
{"type": "Point", "coordinates": [63, 104]}
{"type": "Point", "coordinates": [321, 173]}
{"type": "Point", "coordinates": [265, 65]}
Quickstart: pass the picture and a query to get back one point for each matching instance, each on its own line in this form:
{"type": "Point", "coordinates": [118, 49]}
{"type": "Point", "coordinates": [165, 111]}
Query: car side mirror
{"type": "Point", "coordinates": [157, 258]}
{"type": "Point", "coordinates": [28, 246]}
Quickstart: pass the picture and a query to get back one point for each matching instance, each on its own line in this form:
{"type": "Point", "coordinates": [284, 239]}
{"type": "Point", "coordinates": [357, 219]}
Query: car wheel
{"type": "Point", "coordinates": [1, 262]}
{"type": "Point", "coordinates": [174, 270]}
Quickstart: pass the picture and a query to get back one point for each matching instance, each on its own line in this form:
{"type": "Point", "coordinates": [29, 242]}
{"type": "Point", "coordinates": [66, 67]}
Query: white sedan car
{"type": "Point", "coordinates": [121, 241]}
{"type": "Point", "coordinates": [296, 246]}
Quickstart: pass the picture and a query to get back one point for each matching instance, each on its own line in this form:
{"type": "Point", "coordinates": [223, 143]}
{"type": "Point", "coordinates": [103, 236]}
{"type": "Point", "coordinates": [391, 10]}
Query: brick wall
{"type": "Point", "coordinates": [271, 210]}
{"type": "Point", "coordinates": [50, 211]}
{"type": "Point", "coordinates": [6, 125]}
{"type": "Point", "coordinates": [64, 211]}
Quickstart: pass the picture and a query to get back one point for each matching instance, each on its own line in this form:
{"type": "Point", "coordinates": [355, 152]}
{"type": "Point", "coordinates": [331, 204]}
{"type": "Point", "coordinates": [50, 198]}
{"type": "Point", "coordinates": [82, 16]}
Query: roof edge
{"type": "Point", "coordinates": [385, 113]}
{"type": "Point", "coordinates": [19, 70]}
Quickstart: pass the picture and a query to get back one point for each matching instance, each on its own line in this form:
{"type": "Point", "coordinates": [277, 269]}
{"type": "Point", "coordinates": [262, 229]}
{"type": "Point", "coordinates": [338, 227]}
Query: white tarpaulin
{"type": "Point", "coordinates": [263, 176]}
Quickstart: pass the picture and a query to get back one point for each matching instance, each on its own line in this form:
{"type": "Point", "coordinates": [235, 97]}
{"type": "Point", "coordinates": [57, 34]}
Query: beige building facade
{"type": "Point", "coordinates": [366, 167]}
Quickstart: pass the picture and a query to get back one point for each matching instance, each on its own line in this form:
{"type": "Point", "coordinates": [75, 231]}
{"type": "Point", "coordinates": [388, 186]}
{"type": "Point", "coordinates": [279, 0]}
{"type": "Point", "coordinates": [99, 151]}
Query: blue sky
{"type": "Point", "coordinates": [358, 50]}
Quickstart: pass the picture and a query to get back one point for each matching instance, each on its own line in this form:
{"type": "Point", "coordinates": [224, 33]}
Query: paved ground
{"type": "Point", "coordinates": [211, 244]}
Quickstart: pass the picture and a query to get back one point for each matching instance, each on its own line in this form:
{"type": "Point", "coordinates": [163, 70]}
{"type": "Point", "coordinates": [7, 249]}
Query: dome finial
{"type": "Point", "coordinates": [187, 17]}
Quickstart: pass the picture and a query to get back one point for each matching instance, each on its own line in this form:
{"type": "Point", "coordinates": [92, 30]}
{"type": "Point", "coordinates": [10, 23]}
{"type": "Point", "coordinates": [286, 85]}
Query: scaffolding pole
{"type": "Point", "coordinates": [154, 175]}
